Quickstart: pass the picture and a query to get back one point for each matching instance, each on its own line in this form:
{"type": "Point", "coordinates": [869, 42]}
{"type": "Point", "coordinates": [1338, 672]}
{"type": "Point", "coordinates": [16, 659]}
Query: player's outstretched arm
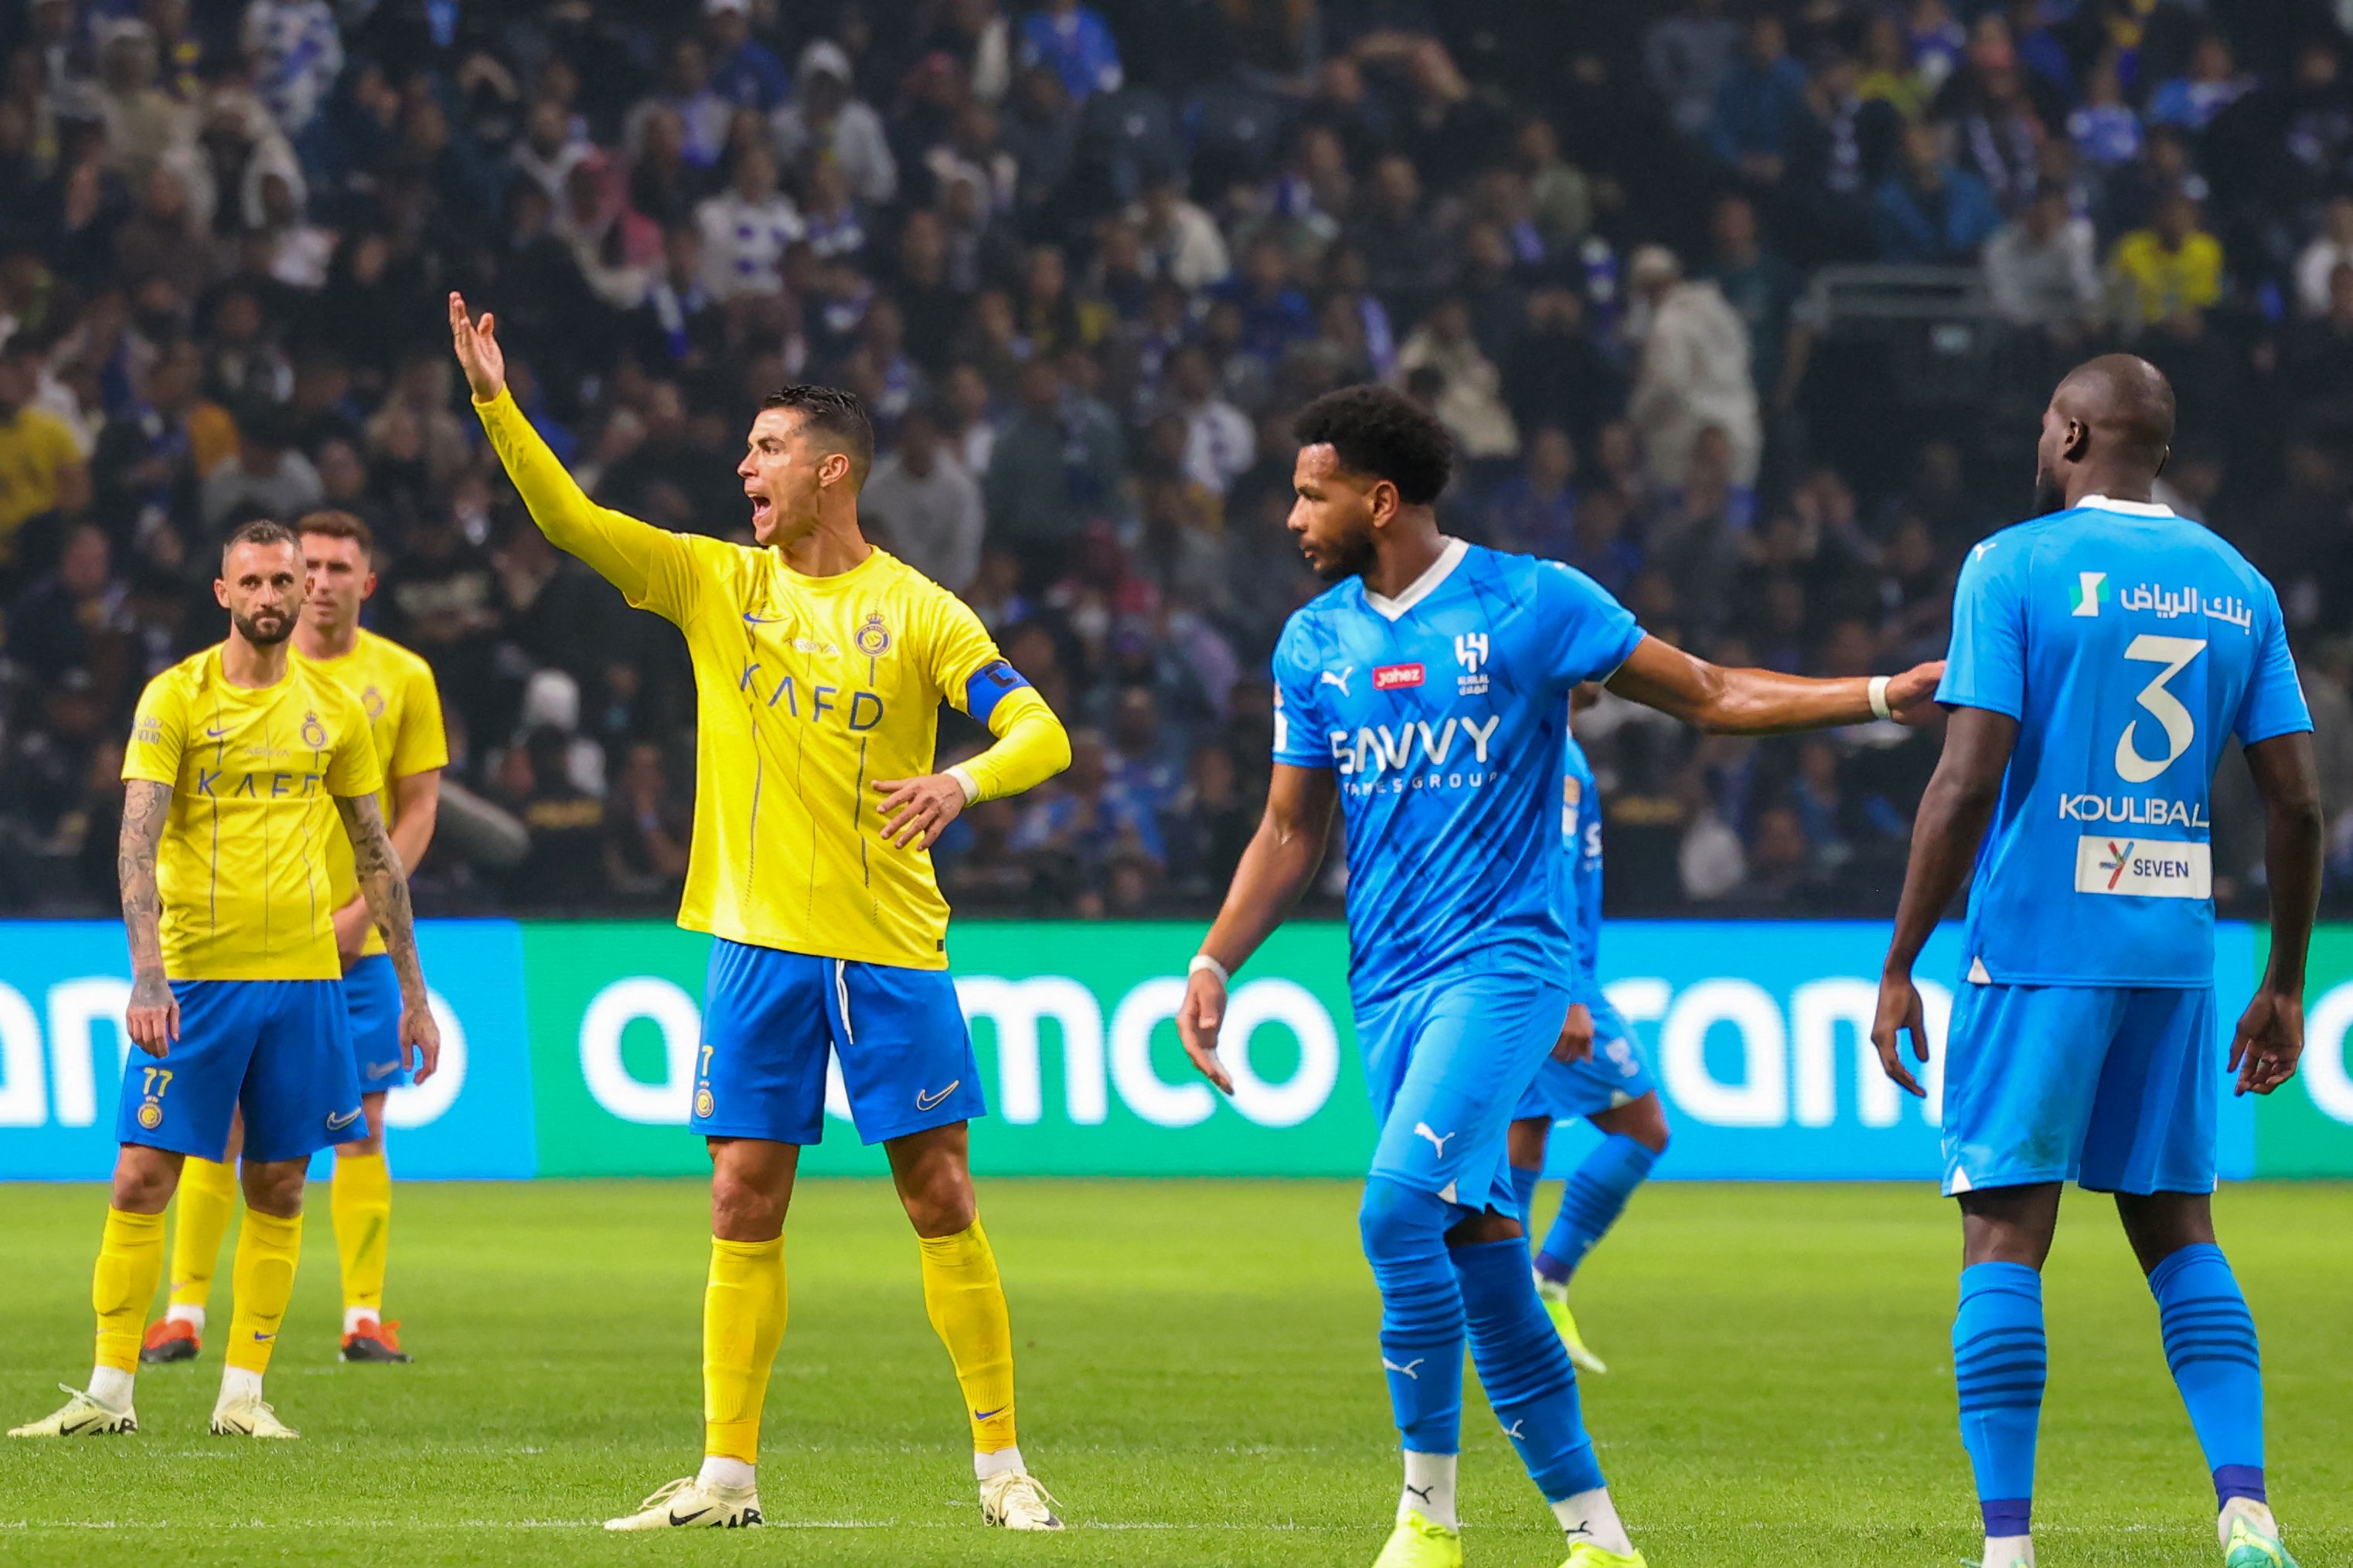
{"type": "Point", "coordinates": [618, 546]}
{"type": "Point", "coordinates": [154, 1017]}
{"type": "Point", "coordinates": [1954, 811]}
{"type": "Point", "coordinates": [2269, 1040]}
{"type": "Point", "coordinates": [1275, 869]}
{"type": "Point", "coordinates": [1763, 701]}
{"type": "Point", "coordinates": [386, 888]}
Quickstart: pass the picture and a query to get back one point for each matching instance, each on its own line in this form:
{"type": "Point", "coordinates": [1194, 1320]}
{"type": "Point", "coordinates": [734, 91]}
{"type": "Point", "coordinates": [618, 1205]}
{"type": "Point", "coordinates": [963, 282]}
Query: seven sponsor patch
{"type": "Point", "coordinates": [2143, 868]}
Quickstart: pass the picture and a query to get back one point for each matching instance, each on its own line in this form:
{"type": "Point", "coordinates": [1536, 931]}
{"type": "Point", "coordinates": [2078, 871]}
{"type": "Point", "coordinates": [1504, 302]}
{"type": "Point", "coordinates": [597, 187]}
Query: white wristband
{"type": "Point", "coordinates": [1202, 960]}
{"type": "Point", "coordinates": [962, 775]}
{"type": "Point", "coordinates": [1879, 698]}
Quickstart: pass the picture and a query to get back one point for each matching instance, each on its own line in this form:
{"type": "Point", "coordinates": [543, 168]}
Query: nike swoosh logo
{"type": "Point", "coordinates": [759, 621]}
{"type": "Point", "coordinates": [381, 1069]}
{"type": "Point", "coordinates": [675, 1518]}
{"type": "Point", "coordinates": [927, 1101]}
{"type": "Point", "coordinates": [985, 1414]}
{"type": "Point", "coordinates": [337, 1124]}
{"type": "Point", "coordinates": [84, 1424]}
{"type": "Point", "coordinates": [259, 1337]}
{"type": "Point", "coordinates": [217, 732]}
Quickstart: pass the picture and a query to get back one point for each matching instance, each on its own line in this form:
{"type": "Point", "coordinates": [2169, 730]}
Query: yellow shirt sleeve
{"type": "Point", "coordinates": [655, 569]}
{"type": "Point", "coordinates": [1031, 744]}
{"type": "Point", "coordinates": [423, 744]}
{"type": "Point", "coordinates": [158, 731]}
{"type": "Point", "coordinates": [353, 770]}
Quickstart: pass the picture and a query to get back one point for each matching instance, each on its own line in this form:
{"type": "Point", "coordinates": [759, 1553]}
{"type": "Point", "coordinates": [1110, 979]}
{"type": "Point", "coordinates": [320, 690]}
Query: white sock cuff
{"type": "Point", "coordinates": [354, 1316]}
{"type": "Point", "coordinates": [111, 1386]}
{"type": "Point", "coordinates": [1430, 1488]}
{"type": "Point", "coordinates": [721, 1471]}
{"type": "Point", "coordinates": [999, 1463]}
{"type": "Point", "coordinates": [2005, 1551]}
{"type": "Point", "coordinates": [1591, 1516]}
{"type": "Point", "coordinates": [191, 1316]}
{"type": "Point", "coordinates": [2257, 1514]}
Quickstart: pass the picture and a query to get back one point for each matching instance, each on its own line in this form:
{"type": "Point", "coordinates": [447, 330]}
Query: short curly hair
{"type": "Point", "coordinates": [835, 415]}
{"type": "Point", "coordinates": [1374, 431]}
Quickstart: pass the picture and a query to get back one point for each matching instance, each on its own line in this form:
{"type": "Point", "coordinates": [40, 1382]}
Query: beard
{"type": "Point", "coordinates": [2050, 495]}
{"type": "Point", "coordinates": [1349, 557]}
{"type": "Point", "coordinates": [267, 630]}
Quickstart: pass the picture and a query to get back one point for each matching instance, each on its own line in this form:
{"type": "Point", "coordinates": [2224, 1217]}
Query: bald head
{"type": "Point", "coordinates": [2106, 432]}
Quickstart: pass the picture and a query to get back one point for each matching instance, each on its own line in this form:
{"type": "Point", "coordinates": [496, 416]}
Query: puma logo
{"type": "Point", "coordinates": [1513, 1431]}
{"type": "Point", "coordinates": [1407, 1370]}
{"type": "Point", "coordinates": [1421, 1492]}
{"type": "Point", "coordinates": [1582, 1529]}
{"type": "Point", "coordinates": [1437, 1141]}
{"type": "Point", "coordinates": [1340, 681]}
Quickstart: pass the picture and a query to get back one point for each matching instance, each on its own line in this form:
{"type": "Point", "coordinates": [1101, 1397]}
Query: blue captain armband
{"type": "Point", "coordinates": [989, 685]}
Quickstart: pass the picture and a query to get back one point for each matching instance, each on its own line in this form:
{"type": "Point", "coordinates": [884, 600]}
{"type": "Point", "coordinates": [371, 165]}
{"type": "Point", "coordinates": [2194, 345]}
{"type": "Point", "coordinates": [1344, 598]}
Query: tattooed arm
{"type": "Point", "coordinates": [386, 888]}
{"type": "Point", "coordinates": [154, 1017]}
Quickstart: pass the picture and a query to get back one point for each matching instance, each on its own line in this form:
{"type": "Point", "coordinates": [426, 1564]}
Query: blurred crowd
{"type": "Point", "coordinates": [1082, 260]}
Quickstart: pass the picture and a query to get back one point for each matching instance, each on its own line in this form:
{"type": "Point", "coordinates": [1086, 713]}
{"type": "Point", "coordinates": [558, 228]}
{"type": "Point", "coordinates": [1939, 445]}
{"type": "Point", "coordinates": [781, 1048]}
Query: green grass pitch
{"type": "Point", "coordinates": [1198, 1384]}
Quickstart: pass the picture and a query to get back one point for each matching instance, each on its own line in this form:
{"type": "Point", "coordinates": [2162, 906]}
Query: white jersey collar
{"type": "Point", "coordinates": [2129, 507]}
{"type": "Point", "coordinates": [1421, 587]}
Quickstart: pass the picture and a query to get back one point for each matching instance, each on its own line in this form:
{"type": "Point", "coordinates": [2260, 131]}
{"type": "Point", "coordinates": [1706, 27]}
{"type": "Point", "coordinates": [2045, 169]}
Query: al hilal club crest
{"type": "Point", "coordinates": [874, 639]}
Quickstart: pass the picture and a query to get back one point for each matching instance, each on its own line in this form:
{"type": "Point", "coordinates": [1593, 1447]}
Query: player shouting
{"type": "Point", "coordinates": [2103, 654]}
{"type": "Point", "coordinates": [819, 665]}
{"type": "Point", "coordinates": [1426, 694]}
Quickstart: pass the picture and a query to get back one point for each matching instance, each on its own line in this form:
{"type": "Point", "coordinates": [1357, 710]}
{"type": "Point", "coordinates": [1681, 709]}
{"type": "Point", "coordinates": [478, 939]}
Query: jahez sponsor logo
{"type": "Point", "coordinates": [1391, 676]}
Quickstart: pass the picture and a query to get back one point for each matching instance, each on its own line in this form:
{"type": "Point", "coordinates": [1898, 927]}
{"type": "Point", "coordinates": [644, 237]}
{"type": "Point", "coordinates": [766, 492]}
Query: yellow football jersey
{"type": "Point", "coordinates": [808, 690]}
{"type": "Point", "coordinates": [395, 690]}
{"type": "Point", "coordinates": [242, 866]}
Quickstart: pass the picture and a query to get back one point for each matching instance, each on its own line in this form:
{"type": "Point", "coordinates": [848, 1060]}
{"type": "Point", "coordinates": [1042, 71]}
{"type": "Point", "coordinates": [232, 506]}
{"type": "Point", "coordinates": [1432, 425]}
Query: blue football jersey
{"type": "Point", "coordinates": [1580, 843]}
{"type": "Point", "coordinates": [1443, 712]}
{"type": "Point", "coordinates": [2130, 645]}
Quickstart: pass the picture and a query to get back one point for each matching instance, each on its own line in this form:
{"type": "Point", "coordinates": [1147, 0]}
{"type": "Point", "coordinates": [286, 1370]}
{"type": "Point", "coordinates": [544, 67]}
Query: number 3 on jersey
{"type": "Point", "coordinates": [2181, 728]}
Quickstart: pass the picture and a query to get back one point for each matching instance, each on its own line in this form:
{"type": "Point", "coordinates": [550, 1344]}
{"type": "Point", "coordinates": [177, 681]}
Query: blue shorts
{"type": "Point", "coordinates": [281, 1050]}
{"type": "Point", "coordinates": [372, 994]}
{"type": "Point", "coordinates": [1446, 1062]}
{"type": "Point", "coordinates": [2116, 1088]}
{"type": "Point", "coordinates": [771, 1019]}
{"type": "Point", "coordinates": [1616, 1074]}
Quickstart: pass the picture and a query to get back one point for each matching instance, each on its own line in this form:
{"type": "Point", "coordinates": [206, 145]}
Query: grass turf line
{"type": "Point", "coordinates": [1198, 1384]}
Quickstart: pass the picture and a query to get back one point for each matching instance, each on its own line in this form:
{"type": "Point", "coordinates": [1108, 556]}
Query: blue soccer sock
{"type": "Point", "coordinates": [1524, 1192]}
{"type": "Point", "coordinates": [1421, 1313]}
{"type": "Point", "coordinates": [1999, 1363]}
{"type": "Point", "coordinates": [1525, 1370]}
{"type": "Point", "coordinates": [2210, 1343]}
{"type": "Point", "coordinates": [1596, 1194]}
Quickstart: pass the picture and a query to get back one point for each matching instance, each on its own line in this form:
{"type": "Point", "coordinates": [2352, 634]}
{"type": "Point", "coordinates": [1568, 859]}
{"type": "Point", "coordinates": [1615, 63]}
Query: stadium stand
{"type": "Point", "coordinates": [1747, 310]}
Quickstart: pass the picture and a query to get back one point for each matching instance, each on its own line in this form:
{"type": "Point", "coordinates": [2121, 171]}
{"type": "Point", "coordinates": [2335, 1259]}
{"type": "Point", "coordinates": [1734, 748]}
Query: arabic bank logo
{"type": "Point", "coordinates": [2091, 591]}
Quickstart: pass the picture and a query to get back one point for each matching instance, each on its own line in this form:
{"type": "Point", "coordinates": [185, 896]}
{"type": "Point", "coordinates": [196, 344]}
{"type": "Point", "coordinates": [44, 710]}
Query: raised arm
{"type": "Point", "coordinates": [386, 888]}
{"type": "Point", "coordinates": [1954, 811]}
{"type": "Point", "coordinates": [1275, 869]}
{"type": "Point", "coordinates": [1762, 701]}
{"type": "Point", "coordinates": [2269, 1040]}
{"type": "Point", "coordinates": [621, 547]}
{"type": "Point", "coordinates": [154, 1017]}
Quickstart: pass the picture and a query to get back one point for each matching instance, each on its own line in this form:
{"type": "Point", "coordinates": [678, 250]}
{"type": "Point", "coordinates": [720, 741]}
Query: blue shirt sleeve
{"type": "Point", "coordinates": [1585, 634]}
{"type": "Point", "coordinates": [1298, 728]}
{"type": "Point", "coordinates": [2273, 703]}
{"type": "Point", "coordinates": [1986, 665]}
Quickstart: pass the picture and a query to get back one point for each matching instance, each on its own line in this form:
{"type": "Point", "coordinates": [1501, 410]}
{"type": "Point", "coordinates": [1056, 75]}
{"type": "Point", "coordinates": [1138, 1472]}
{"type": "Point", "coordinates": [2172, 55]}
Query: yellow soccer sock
{"type": "Point", "coordinates": [207, 1202]}
{"type": "Point", "coordinates": [268, 1247]}
{"type": "Point", "coordinates": [967, 1303]}
{"type": "Point", "coordinates": [361, 1202]}
{"type": "Point", "coordinates": [129, 1265]}
{"type": "Point", "coordinates": [744, 1310]}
